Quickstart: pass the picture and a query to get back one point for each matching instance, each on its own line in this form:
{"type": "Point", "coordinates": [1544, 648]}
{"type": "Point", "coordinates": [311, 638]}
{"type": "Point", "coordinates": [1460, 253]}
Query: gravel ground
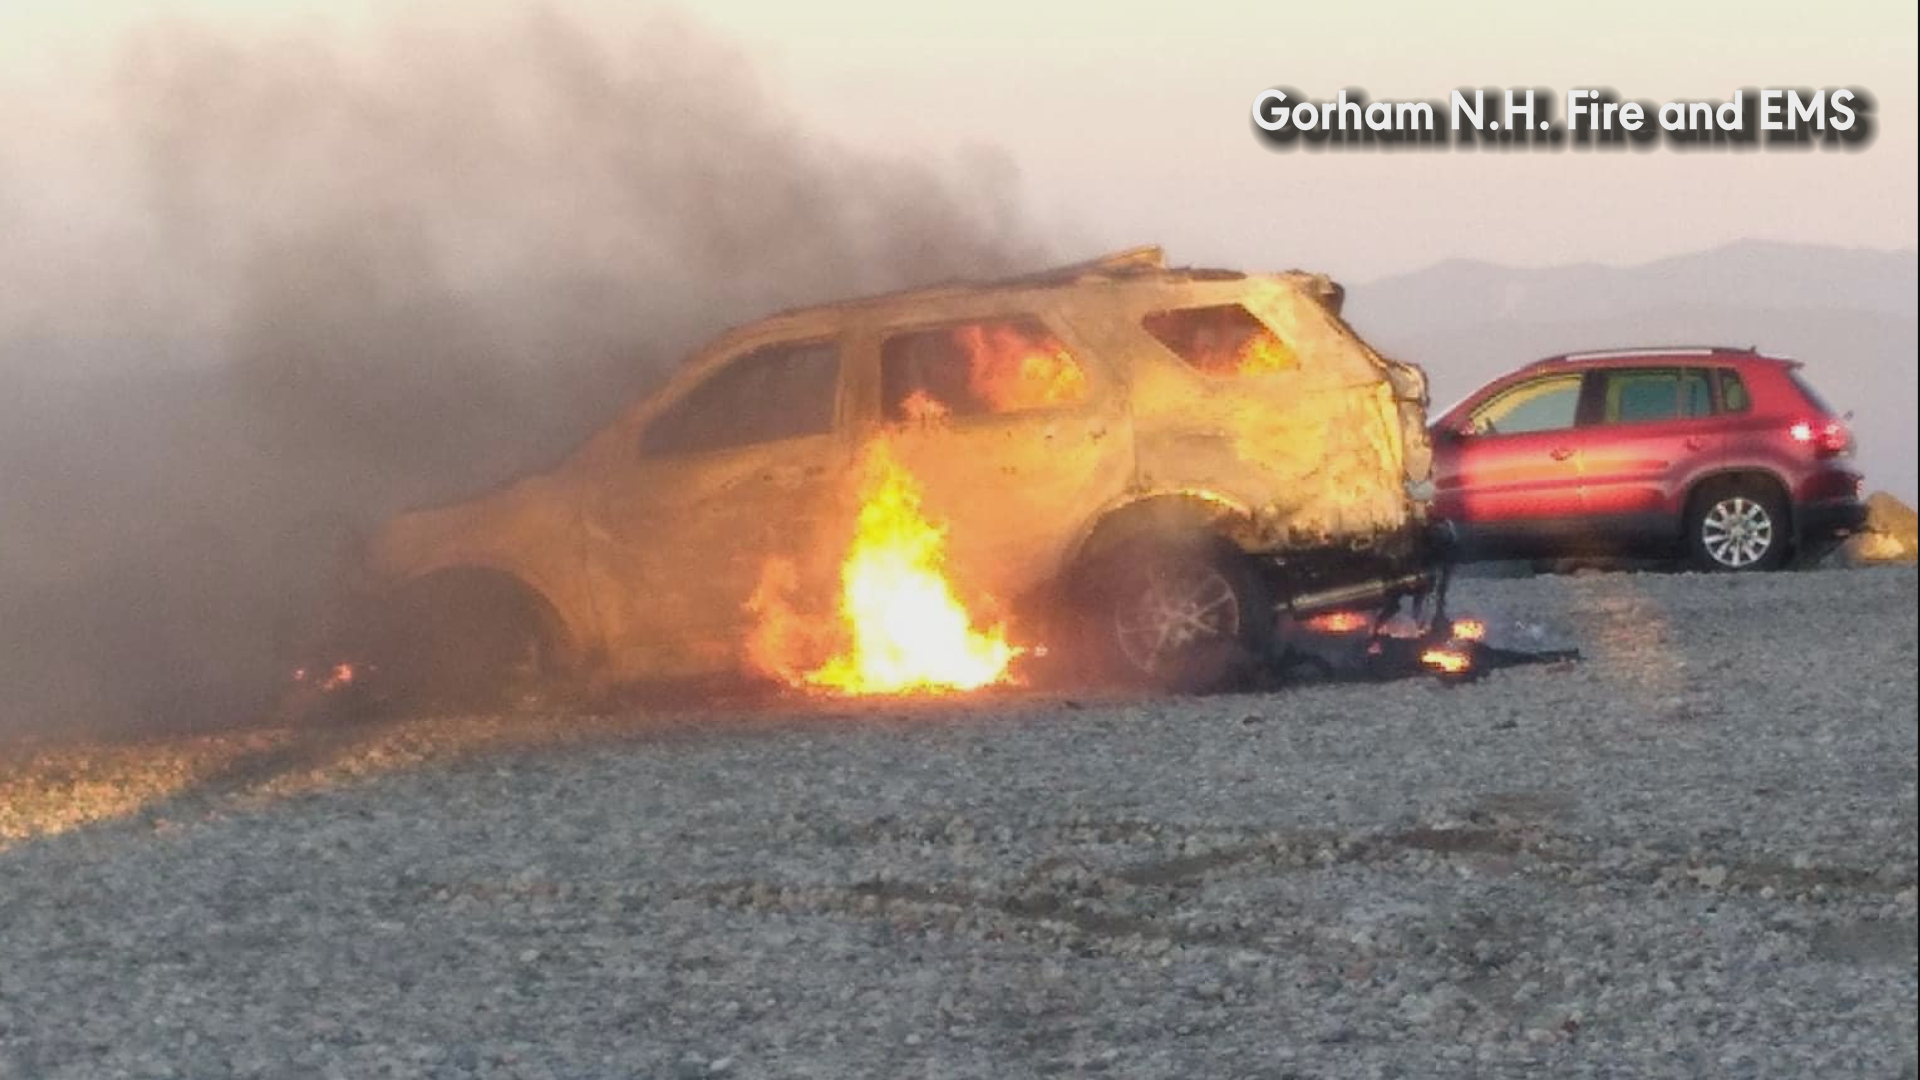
{"type": "Point", "coordinates": [1690, 855]}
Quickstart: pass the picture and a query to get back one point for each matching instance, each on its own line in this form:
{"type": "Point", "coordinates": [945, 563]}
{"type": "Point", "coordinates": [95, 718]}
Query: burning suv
{"type": "Point", "coordinates": [1115, 464]}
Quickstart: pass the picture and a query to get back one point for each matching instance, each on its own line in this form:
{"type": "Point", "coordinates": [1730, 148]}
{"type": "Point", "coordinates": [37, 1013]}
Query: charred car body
{"type": "Point", "coordinates": [1144, 464]}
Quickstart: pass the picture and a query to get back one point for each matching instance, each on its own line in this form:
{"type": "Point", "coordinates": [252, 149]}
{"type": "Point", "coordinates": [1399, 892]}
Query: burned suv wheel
{"type": "Point", "coordinates": [466, 642]}
{"type": "Point", "coordinates": [1738, 526]}
{"type": "Point", "coordinates": [1182, 615]}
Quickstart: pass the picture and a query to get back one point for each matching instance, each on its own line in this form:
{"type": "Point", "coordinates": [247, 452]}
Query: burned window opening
{"type": "Point", "coordinates": [977, 369]}
{"type": "Point", "coordinates": [1222, 340]}
{"type": "Point", "coordinates": [772, 394]}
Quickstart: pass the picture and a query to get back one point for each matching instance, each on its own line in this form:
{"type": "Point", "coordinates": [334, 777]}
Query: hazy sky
{"type": "Point", "coordinates": [1129, 120]}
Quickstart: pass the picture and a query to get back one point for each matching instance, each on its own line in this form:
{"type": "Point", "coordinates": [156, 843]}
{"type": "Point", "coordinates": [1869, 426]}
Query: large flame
{"type": "Point", "coordinates": [900, 626]}
{"type": "Point", "coordinates": [1010, 368]}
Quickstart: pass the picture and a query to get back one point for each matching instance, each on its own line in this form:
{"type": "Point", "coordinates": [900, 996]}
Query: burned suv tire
{"type": "Point", "coordinates": [1737, 526]}
{"type": "Point", "coordinates": [466, 642]}
{"type": "Point", "coordinates": [1187, 615]}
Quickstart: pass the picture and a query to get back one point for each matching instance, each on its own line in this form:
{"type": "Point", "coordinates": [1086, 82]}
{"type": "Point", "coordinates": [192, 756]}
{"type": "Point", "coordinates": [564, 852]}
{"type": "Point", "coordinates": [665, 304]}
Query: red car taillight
{"type": "Point", "coordinates": [1830, 439]}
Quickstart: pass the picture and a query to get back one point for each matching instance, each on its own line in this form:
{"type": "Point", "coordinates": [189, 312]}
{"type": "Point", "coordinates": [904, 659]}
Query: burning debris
{"type": "Point", "coordinates": [1339, 622]}
{"type": "Point", "coordinates": [338, 677]}
{"type": "Point", "coordinates": [1447, 659]}
{"type": "Point", "coordinates": [1469, 630]}
{"type": "Point", "coordinates": [1359, 645]}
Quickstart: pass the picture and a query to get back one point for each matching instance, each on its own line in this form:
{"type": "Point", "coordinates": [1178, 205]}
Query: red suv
{"type": "Point", "coordinates": [1723, 455]}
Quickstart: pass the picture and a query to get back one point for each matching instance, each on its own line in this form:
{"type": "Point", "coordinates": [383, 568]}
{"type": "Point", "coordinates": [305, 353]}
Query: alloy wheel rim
{"type": "Point", "coordinates": [1176, 610]}
{"type": "Point", "coordinates": [1737, 532]}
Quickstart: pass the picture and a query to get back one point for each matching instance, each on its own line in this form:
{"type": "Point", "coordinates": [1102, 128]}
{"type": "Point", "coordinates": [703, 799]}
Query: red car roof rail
{"type": "Point", "coordinates": [1657, 351]}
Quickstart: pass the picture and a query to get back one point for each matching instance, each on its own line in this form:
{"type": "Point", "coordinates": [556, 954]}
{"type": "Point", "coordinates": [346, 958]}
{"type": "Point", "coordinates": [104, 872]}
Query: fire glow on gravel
{"type": "Point", "coordinates": [900, 627]}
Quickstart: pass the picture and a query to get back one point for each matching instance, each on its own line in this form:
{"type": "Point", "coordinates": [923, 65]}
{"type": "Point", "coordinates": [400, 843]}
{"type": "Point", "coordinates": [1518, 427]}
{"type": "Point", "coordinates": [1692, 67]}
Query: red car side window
{"type": "Point", "coordinates": [1733, 392]}
{"type": "Point", "coordinates": [1548, 404]}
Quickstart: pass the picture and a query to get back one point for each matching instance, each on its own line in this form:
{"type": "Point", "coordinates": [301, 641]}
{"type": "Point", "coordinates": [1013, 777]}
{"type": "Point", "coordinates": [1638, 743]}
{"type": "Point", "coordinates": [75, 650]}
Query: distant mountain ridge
{"type": "Point", "coordinates": [1746, 273]}
{"type": "Point", "coordinates": [1852, 314]}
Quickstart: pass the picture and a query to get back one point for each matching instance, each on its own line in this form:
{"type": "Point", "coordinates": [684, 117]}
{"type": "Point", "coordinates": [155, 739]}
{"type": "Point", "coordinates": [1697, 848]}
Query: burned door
{"type": "Point", "coordinates": [1015, 435]}
{"type": "Point", "coordinates": [739, 468]}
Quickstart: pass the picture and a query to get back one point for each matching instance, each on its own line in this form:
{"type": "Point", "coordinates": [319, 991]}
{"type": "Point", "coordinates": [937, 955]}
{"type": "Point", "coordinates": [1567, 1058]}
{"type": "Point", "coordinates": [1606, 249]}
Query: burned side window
{"type": "Point", "coordinates": [1223, 339]}
{"type": "Point", "coordinates": [977, 368]}
{"type": "Point", "coordinates": [774, 393]}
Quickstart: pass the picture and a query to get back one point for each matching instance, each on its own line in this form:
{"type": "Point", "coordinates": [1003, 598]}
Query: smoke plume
{"type": "Point", "coordinates": [269, 289]}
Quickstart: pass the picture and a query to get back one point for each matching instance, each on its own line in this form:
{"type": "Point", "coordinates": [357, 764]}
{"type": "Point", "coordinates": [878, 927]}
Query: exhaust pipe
{"type": "Point", "coordinates": [1380, 589]}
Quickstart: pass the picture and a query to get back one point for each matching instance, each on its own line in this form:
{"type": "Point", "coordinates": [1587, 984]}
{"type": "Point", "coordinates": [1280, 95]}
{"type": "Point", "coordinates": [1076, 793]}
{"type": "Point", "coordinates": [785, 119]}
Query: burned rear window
{"type": "Point", "coordinates": [978, 368]}
{"type": "Point", "coordinates": [1221, 339]}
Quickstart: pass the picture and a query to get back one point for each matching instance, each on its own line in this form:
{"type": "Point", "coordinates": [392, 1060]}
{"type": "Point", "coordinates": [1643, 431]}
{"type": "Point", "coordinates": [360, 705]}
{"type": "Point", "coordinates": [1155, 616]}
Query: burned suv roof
{"type": "Point", "coordinates": [1134, 264]}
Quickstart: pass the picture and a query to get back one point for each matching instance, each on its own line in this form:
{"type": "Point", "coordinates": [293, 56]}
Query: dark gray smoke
{"type": "Point", "coordinates": [344, 276]}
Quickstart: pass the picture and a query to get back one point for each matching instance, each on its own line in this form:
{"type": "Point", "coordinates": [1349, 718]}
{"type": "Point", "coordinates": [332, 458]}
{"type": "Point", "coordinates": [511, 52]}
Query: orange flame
{"type": "Point", "coordinates": [1446, 661]}
{"type": "Point", "coordinates": [337, 676]}
{"type": "Point", "coordinates": [900, 627]}
{"type": "Point", "coordinates": [341, 675]}
{"type": "Point", "coordinates": [1469, 630]}
{"type": "Point", "coordinates": [1339, 622]}
{"type": "Point", "coordinates": [1009, 369]}
{"type": "Point", "coordinates": [782, 640]}
{"type": "Point", "coordinates": [1223, 341]}
{"type": "Point", "coordinates": [922, 407]}
{"type": "Point", "coordinates": [1262, 354]}
{"type": "Point", "coordinates": [1010, 366]}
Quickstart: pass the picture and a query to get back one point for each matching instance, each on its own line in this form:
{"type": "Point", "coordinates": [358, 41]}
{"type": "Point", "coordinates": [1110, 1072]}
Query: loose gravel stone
{"type": "Point", "coordinates": [1691, 854]}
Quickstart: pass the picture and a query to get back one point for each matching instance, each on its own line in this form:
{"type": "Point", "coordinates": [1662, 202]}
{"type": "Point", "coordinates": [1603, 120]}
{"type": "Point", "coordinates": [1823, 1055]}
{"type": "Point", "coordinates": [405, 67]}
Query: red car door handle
{"type": "Point", "coordinates": [1694, 443]}
{"type": "Point", "coordinates": [1560, 453]}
